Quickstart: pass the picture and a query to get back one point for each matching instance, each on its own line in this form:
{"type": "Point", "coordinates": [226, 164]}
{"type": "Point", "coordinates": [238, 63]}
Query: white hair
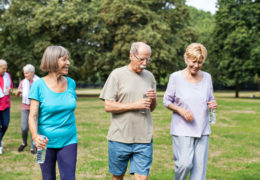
{"type": "Point", "coordinates": [28, 68]}
{"type": "Point", "coordinates": [2, 62]}
{"type": "Point", "coordinates": [136, 45]}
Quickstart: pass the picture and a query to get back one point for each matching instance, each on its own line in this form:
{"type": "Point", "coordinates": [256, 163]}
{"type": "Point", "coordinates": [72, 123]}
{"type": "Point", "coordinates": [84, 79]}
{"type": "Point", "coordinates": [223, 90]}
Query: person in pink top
{"type": "Point", "coordinates": [23, 90]}
{"type": "Point", "coordinates": [6, 87]}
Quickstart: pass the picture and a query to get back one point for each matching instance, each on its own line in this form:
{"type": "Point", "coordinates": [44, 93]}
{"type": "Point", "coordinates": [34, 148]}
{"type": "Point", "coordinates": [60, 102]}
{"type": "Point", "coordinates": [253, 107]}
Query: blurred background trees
{"type": "Point", "coordinates": [98, 35]}
{"type": "Point", "coordinates": [236, 46]}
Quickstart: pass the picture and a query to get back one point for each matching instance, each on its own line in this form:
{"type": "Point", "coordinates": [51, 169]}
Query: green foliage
{"type": "Point", "coordinates": [203, 24]}
{"type": "Point", "coordinates": [236, 41]}
{"type": "Point", "coordinates": [97, 33]}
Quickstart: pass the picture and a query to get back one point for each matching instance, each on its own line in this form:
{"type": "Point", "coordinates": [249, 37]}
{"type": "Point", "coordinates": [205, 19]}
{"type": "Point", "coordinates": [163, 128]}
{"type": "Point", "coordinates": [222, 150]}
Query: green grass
{"type": "Point", "coordinates": [234, 143]}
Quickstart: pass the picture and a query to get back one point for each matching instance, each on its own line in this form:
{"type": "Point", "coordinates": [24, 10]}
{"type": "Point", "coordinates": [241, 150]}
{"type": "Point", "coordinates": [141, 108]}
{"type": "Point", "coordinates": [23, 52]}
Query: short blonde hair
{"type": "Point", "coordinates": [49, 62]}
{"type": "Point", "coordinates": [196, 51]}
{"type": "Point", "coordinates": [2, 62]}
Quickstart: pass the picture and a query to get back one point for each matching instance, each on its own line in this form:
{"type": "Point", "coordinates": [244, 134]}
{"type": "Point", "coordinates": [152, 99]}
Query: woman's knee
{"type": "Point", "coordinates": [5, 126]}
{"type": "Point", "coordinates": [184, 166]}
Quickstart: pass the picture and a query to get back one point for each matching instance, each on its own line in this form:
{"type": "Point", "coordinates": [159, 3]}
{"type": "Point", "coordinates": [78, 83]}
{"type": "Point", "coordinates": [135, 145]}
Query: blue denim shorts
{"type": "Point", "coordinates": [139, 154]}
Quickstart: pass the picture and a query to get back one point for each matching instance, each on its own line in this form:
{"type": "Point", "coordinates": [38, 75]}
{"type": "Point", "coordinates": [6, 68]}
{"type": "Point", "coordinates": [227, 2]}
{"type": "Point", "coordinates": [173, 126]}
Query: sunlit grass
{"type": "Point", "coordinates": [234, 143]}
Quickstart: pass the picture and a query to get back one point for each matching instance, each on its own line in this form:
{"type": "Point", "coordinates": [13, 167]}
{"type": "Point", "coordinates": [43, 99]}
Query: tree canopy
{"type": "Point", "coordinates": [236, 41]}
{"type": "Point", "coordinates": [98, 34]}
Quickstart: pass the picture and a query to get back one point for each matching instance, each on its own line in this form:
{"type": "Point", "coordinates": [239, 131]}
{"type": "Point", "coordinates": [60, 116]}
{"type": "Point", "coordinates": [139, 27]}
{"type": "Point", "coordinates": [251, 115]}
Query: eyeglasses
{"type": "Point", "coordinates": [143, 59]}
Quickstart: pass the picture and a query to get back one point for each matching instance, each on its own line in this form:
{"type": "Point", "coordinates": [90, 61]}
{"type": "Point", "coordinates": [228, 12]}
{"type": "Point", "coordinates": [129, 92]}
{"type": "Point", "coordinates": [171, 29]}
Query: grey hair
{"type": "Point", "coordinates": [136, 45]}
{"type": "Point", "coordinates": [2, 62]}
{"type": "Point", "coordinates": [28, 68]}
{"type": "Point", "coordinates": [50, 58]}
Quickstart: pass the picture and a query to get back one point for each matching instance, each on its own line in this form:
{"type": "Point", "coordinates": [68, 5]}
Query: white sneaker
{"type": "Point", "coordinates": [1, 150]}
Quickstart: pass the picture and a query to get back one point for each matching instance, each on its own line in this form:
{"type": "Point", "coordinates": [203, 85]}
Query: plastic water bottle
{"type": "Point", "coordinates": [143, 111]}
{"type": "Point", "coordinates": [212, 116]}
{"type": "Point", "coordinates": [41, 153]}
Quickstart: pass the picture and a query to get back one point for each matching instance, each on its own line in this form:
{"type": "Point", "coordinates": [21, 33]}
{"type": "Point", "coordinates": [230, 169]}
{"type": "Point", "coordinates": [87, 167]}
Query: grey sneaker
{"type": "Point", "coordinates": [1, 150]}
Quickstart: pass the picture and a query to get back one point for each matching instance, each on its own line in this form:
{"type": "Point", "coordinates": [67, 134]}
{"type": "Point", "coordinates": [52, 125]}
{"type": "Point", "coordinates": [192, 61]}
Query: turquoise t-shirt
{"type": "Point", "coordinates": [56, 118]}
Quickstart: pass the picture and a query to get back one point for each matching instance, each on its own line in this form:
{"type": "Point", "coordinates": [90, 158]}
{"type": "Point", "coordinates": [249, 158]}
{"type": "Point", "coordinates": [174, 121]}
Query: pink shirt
{"type": "Point", "coordinates": [24, 106]}
{"type": "Point", "coordinates": [5, 101]}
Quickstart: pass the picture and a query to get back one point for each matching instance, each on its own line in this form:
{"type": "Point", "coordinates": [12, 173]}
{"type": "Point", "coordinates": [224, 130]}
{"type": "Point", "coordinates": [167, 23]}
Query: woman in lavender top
{"type": "Point", "coordinates": [189, 95]}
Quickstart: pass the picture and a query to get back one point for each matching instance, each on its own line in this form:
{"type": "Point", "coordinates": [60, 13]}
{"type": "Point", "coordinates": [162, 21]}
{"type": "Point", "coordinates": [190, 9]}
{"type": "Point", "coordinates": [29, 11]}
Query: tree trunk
{"type": "Point", "coordinates": [237, 89]}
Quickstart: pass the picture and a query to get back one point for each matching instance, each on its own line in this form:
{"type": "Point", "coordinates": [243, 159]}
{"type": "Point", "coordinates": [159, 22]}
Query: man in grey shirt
{"type": "Point", "coordinates": [130, 95]}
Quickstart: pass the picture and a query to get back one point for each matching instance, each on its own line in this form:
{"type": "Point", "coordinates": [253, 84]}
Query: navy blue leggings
{"type": "Point", "coordinates": [66, 157]}
{"type": "Point", "coordinates": [4, 122]}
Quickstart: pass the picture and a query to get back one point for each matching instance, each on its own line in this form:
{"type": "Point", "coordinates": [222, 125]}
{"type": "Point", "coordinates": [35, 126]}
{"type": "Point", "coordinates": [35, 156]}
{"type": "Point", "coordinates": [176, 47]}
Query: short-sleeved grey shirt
{"type": "Point", "coordinates": [126, 86]}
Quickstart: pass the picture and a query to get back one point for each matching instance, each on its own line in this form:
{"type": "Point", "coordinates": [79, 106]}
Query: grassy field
{"type": "Point", "coordinates": [234, 143]}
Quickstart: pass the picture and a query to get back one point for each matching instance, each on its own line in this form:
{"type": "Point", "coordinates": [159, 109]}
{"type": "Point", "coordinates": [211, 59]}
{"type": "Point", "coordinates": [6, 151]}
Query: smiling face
{"type": "Point", "coordinates": [140, 60]}
{"type": "Point", "coordinates": [193, 66]}
{"type": "Point", "coordinates": [3, 69]}
{"type": "Point", "coordinates": [194, 57]}
{"type": "Point", "coordinates": [28, 75]}
{"type": "Point", "coordinates": [63, 65]}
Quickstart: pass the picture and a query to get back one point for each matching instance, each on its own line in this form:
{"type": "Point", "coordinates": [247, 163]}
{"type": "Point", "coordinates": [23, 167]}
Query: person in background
{"type": "Point", "coordinates": [189, 95]}
{"type": "Point", "coordinates": [53, 102]}
{"type": "Point", "coordinates": [6, 87]}
{"type": "Point", "coordinates": [23, 90]}
{"type": "Point", "coordinates": [130, 95]}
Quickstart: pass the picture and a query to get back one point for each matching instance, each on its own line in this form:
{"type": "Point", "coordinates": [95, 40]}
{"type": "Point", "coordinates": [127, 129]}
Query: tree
{"type": "Point", "coordinates": [28, 27]}
{"type": "Point", "coordinates": [15, 45]}
{"type": "Point", "coordinates": [118, 23]}
{"type": "Point", "coordinates": [236, 41]}
{"type": "Point", "coordinates": [203, 24]}
{"type": "Point", "coordinates": [98, 34]}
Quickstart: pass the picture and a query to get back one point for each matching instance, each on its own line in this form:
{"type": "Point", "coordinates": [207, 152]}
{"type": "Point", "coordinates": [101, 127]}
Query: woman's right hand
{"type": "Point", "coordinates": [186, 114]}
{"type": "Point", "coordinates": [40, 142]}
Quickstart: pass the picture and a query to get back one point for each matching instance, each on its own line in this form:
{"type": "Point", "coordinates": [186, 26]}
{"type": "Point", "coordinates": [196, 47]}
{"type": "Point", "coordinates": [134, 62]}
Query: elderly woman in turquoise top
{"type": "Point", "coordinates": [189, 95]}
{"type": "Point", "coordinates": [53, 101]}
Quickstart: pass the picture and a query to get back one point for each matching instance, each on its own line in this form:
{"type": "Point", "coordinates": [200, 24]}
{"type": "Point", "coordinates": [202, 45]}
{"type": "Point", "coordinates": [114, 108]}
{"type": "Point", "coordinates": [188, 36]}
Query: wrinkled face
{"type": "Point", "coordinates": [3, 69]}
{"type": "Point", "coordinates": [63, 65]}
{"type": "Point", "coordinates": [140, 61]}
{"type": "Point", "coordinates": [28, 75]}
{"type": "Point", "coordinates": [193, 65]}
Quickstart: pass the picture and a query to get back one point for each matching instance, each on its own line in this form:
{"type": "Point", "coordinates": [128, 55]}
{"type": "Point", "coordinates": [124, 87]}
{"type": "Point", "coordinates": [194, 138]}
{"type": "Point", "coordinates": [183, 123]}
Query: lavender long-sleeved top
{"type": "Point", "coordinates": [193, 97]}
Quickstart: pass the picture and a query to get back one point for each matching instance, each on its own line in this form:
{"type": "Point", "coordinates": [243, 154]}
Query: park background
{"type": "Point", "coordinates": [98, 35]}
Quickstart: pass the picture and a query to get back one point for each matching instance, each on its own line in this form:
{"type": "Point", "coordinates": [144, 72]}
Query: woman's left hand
{"type": "Point", "coordinates": [213, 104]}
